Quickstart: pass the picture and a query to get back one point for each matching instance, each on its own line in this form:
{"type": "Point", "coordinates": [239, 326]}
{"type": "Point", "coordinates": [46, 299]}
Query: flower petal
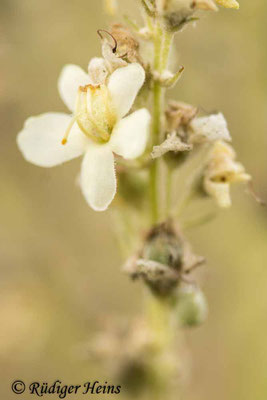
{"type": "Point", "coordinates": [124, 84]}
{"type": "Point", "coordinates": [130, 135]}
{"type": "Point", "coordinates": [71, 77]}
{"type": "Point", "coordinates": [98, 179]}
{"type": "Point", "coordinates": [40, 140]}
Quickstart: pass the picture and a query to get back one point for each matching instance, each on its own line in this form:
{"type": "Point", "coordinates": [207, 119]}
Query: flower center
{"type": "Point", "coordinates": [94, 113]}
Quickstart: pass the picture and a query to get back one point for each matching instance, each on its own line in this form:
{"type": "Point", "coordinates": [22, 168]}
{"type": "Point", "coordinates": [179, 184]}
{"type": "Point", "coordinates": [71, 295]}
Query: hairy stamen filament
{"type": "Point", "coordinates": [65, 138]}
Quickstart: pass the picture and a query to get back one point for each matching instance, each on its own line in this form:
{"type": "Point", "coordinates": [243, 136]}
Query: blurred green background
{"type": "Point", "coordinates": [60, 267]}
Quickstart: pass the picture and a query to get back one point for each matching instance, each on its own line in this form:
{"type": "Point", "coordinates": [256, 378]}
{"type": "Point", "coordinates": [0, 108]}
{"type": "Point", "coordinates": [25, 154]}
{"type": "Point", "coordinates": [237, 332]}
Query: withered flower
{"type": "Point", "coordinates": [222, 170]}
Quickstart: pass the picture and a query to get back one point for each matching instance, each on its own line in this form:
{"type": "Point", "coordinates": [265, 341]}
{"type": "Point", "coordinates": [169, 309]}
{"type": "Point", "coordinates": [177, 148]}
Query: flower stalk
{"type": "Point", "coordinates": [162, 45]}
{"type": "Point", "coordinates": [109, 130]}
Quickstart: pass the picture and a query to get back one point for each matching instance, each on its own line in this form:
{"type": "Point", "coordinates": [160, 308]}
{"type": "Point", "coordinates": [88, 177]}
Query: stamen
{"type": "Point", "coordinates": [84, 116]}
{"type": "Point", "coordinates": [65, 138]}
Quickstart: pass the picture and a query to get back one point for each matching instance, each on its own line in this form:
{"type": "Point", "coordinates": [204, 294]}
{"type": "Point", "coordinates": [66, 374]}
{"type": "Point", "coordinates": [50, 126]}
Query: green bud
{"type": "Point", "coordinates": [192, 307]}
{"type": "Point", "coordinates": [132, 187]}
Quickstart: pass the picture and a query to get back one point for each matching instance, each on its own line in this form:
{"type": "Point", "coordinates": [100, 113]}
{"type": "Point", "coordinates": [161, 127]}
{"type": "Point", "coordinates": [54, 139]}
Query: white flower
{"type": "Point", "coordinates": [98, 128]}
{"type": "Point", "coordinates": [209, 129]}
{"type": "Point", "coordinates": [221, 171]}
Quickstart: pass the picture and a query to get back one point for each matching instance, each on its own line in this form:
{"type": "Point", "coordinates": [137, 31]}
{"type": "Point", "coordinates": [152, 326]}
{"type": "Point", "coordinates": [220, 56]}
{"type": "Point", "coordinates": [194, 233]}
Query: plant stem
{"type": "Point", "coordinates": [162, 44]}
{"type": "Point", "coordinates": [169, 175]}
{"type": "Point", "coordinates": [159, 310]}
{"type": "Point", "coordinates": [162, 325]}
{"type": "Point", "coordinates": [159, 317]}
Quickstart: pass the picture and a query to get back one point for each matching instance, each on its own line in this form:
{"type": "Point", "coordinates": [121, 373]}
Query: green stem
{"type": "Point", "coordinates": [162, 44]}
{"type": "Point", "coordinates": [159, 310]}
{"type": "Point", "coordinates": [169, 175]}
{"type": "Point", "coordinates": [159, 319]}
{"type": "Point", "coordinates": [167, 42]}
{"type": "Point", "coordinates": [162, 325]}
{"type": "Point", "coordinates": [154, 169]}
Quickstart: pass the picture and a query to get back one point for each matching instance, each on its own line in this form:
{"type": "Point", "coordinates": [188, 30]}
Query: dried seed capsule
{"type": "Point", "coordinates": [164, 246]}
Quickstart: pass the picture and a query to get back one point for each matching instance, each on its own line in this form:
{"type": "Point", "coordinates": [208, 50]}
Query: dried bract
{"type": "Point", "coordinates": [179, 114]}
{"type": "Point", "coordinates": [172, 143]}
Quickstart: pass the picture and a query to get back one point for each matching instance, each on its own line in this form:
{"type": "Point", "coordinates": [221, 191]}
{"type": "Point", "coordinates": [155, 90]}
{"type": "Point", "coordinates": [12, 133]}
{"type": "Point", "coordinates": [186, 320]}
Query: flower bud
{"type": "Point", "coordinates": [111, 7]}
{"type": "Point", "coordinates": [192, 308]}
{"type": "Point", "coordinates": [177, 13]}
{"type": "Point", "coordinates": [228, 3]}
{"type": "Point", "coordinates": [207, 5]}
{"type": "Point", "coordinates": [132, 187]}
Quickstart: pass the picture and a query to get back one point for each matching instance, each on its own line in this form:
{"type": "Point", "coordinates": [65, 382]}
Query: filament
{"type": "Point", "coordinates": [65, 138]}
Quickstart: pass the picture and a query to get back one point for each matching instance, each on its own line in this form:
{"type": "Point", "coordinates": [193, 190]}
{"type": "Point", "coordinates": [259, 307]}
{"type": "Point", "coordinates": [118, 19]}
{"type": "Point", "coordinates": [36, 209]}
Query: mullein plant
{"type": "Point", "coordinates": [133, 142]}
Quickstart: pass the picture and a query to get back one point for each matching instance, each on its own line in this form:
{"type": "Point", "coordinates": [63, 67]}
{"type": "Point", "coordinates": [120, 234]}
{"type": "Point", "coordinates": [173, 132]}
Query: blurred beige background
{"type": "Point", "coordinates": [60, 268]}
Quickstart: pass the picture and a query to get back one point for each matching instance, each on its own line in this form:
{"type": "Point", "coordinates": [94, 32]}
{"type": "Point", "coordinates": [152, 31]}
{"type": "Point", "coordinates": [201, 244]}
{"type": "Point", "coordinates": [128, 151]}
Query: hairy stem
{"type": "Point", "coordinates": [163, 327]}
{"type": "Point", "coordinates": [162, 44]}
{"type": "Point", "coordinates": [169, 176]}
{"type": "Point", "coordinates": [160, 310]}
